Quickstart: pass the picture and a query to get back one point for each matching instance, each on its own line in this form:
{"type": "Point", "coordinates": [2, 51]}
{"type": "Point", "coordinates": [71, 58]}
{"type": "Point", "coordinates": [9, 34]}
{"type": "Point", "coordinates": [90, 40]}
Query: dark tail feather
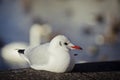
{"type": "Point", "coordinates": [21, 51]}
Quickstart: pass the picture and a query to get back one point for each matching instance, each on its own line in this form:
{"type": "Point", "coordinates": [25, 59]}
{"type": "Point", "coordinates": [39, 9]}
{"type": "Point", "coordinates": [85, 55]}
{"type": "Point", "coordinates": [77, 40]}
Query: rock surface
{"type": "Point", "coordinates": [30, 74]}
{"type": "Point", "coordinates": [85, 71]}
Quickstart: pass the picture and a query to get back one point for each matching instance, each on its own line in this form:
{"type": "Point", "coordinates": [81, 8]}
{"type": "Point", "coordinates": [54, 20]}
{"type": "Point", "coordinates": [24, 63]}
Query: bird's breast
{"type": "Point", "coordinates": [60, 61]}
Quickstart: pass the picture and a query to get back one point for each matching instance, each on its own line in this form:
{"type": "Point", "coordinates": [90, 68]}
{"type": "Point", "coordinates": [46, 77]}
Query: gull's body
{"type": "Point", "coordinates": [53, 56]}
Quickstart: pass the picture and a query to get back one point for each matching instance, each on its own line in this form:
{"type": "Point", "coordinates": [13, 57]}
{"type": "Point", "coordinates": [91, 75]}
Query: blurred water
{"type": "Point", "coordinates": [73, 18]}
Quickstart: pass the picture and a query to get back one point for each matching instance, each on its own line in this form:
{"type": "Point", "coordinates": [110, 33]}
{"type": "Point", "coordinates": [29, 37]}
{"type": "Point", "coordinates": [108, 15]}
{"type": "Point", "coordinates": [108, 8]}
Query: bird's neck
{"type": "Point", "coordinates": [35, 39]}
{"type": "Point", "coordinates": [58, 50]}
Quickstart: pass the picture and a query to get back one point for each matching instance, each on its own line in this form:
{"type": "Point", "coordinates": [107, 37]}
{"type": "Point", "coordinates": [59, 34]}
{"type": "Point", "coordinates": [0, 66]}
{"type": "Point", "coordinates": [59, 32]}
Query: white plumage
{"type": "Point", "coordinates": [53, 56]}
{"type": "Point", "coordinates": [11, 56]}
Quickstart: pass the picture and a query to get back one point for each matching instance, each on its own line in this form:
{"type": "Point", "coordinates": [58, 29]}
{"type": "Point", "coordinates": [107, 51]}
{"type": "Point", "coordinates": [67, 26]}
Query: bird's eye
{"type": "Point", "coordinates": [66, 43]}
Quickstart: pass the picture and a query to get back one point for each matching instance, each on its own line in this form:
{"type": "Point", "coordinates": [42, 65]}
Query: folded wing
{"type": "Point", "coordinates": [38, 55]}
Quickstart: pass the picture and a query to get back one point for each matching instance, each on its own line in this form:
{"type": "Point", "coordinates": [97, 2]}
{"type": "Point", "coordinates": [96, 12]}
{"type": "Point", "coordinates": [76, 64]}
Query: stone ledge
{"type": "Point", "coordinates": [85, 71]}
{"type": "Point", "coordinates": [30, 74]}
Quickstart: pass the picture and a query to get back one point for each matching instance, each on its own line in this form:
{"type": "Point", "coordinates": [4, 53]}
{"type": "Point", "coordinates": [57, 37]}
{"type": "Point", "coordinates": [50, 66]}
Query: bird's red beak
{"type": "Point", "coordinates": [76, 47]}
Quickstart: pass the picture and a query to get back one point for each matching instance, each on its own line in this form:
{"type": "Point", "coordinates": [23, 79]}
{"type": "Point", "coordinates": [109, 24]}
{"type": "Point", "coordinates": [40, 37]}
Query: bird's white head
{"type": "Point", "coordinates": [62, 42]}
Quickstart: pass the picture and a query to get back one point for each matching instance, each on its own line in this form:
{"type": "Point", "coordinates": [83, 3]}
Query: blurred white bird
{"type": "Point", "coordinates": [39, 34]}
{"type": "Point", "coordinates": [11, 57]}
{"type": "Point", "coordinates": [53, 56]}
{"type": "Point", "coordinates": [10, 54]}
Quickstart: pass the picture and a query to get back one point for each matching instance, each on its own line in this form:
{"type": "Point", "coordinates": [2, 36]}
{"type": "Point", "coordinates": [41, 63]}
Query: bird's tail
{"type": "Point", "coordinates": [21, 53]}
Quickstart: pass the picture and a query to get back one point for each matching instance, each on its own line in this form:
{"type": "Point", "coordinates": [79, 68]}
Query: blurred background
{"type": "Point", "coordinates": [92, 24]}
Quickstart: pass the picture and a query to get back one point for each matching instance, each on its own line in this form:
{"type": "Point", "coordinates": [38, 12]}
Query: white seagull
{"type": "Point", "coordinates": [53, 56]}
